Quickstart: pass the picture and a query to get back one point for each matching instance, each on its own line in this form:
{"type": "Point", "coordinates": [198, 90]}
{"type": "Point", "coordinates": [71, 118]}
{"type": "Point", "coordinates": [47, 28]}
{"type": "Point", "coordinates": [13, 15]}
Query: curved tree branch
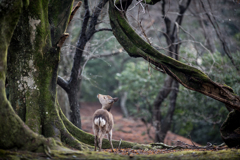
{"type": "Point", "coordinates": [189, 77]}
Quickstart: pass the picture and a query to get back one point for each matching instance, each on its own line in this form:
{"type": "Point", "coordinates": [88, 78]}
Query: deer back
{"type": "Point", "coordinates": [104, 119]}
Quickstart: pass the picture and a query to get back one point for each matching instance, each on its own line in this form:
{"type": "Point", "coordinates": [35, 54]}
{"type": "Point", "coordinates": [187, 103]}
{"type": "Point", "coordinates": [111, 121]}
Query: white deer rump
{"type": "Point", "coordinates": [100, 121]}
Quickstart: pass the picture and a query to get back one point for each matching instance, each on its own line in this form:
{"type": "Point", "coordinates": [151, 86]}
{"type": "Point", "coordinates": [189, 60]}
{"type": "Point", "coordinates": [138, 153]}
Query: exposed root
{"type": "Point", "coordinates": [67, 137]}
{"type": "Point", "coordinates": [182, 145]}
{"type": "Point", "coordinates": [89, 138]}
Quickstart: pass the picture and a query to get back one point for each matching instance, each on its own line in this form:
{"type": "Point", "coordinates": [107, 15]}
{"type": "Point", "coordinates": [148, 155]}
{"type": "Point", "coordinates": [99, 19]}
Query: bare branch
{"type": "Point", "coordinates": [62, 83]}
{"type": "Point", "coordinates": [103, 29]}
{"type": "Point", "coordinates": [208, 119]}
{"type": "Point", "coordinates": [104, 55]}
{"type": "Point", "coordinates": [219, 34]}
{"type": "Point", "coordinates": [80, 46]}
{"type": "Point", "coordinates": [93, 22]}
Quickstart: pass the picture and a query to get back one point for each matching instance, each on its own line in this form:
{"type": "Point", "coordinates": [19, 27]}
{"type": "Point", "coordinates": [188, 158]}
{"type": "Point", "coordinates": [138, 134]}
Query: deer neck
{"type": "Point", "coordinates": [108, 108]}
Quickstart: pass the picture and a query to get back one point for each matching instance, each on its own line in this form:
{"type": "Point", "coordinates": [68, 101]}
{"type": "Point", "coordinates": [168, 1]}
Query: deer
{"type": "Point", "coordinates": [103, 121]}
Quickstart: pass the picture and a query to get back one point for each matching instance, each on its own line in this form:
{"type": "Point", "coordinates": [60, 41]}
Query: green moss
{"type": "Point", "coordinates": [67, 154]}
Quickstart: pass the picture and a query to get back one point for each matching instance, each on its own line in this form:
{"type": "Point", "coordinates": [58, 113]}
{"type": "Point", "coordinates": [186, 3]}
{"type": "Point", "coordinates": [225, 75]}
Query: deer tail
{"type": "Point", "coordinates": [100, 122]}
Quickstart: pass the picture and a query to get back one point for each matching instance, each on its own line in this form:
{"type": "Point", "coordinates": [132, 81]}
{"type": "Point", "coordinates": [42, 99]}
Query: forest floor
{"type": "Point", "coordinates": [134, 130]}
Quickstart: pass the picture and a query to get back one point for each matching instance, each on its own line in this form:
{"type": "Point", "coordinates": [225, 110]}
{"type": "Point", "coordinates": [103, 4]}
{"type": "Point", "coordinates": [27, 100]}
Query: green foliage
{"type": "Point", "coordinates": [196, 116]}
{"type": "Point", "coordinates": [99, 73]}
{"type": "Point", "coordinates": [142, 84]}
{"type": "Point", "coordinates": [199, 116]}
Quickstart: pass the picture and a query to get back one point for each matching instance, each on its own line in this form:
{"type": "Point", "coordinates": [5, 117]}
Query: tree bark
{"type": "Point", "coordinates": [14, 133]}
{"type": "Point", "coordinates": [36, 54]}
{"type": "Point", "coordinates": [230, 129]}
{"type": "Point", "coordinates": [167, 121]}
{"type": "Point", "coordinates": [163, 93]}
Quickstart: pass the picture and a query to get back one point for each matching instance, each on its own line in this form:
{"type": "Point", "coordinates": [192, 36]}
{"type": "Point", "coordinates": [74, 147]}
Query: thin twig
{"type": "Point", "coordinates": [103, 29]}
{"type": "Point", "coordinates": [119, 144]}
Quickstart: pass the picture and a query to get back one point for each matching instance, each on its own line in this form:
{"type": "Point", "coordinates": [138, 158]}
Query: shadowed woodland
{"type": "Point", "coordinates": [174, 65]}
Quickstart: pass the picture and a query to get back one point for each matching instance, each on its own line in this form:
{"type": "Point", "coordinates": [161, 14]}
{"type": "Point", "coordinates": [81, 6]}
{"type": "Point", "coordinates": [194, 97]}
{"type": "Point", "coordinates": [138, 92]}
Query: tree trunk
{"type": "Point", "coordinates": [167, 121]}
{"type": "Point", "coordinates": [35, 50]}
{"type": "Point", "coordinates": [230, 129]}
{"type": "Point", "coordinates": [14, 133]}
{"type": "Point", "coordinates": [123, 103]}
{"type": "Point", "coordinates": [163, 93]}
{"type": "Point", "coordinates": [74, 104]}
{"type": "Point", "coordinates": [36, 55]}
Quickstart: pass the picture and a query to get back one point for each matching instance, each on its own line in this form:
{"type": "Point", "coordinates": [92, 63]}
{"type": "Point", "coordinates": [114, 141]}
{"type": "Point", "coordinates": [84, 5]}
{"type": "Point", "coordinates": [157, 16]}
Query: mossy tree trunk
{"type": "Point", "coordinates": [188, 76]}
{"type": "Point", "coordinates": [14, 133]}
{"type": "Point", "coordinates": [33, 62]}
{"type": "Point", "coordinates": [32, 33]}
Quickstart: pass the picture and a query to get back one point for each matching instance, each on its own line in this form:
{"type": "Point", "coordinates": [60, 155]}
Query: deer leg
{"type": "Point", "coordinates": [95, 142]}
{"type": "Point", "coordinates": [100, 143]}
{"type": "Point", "coordinates": [110, 139]}
{"type": "Point", "coordinates": [100, 139]}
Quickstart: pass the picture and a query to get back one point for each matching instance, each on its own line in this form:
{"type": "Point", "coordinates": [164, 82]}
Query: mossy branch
{"type": "Point", "coordinates": [188, 76]}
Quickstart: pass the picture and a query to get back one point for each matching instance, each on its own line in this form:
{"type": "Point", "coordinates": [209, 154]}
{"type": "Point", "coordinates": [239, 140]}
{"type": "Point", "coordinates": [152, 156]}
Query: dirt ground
{"type": "Point", "coordinates": [127, 129]}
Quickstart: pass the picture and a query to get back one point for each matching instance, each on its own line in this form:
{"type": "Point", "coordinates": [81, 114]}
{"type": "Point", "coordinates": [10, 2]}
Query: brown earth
{"type": "Point", "coordinates": [127, 129]}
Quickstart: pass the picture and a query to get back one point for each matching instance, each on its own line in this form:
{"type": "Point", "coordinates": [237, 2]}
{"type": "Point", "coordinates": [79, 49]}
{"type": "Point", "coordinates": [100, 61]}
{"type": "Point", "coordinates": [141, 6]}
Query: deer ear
{"type": "Point", "coordinates": [115, 99]}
